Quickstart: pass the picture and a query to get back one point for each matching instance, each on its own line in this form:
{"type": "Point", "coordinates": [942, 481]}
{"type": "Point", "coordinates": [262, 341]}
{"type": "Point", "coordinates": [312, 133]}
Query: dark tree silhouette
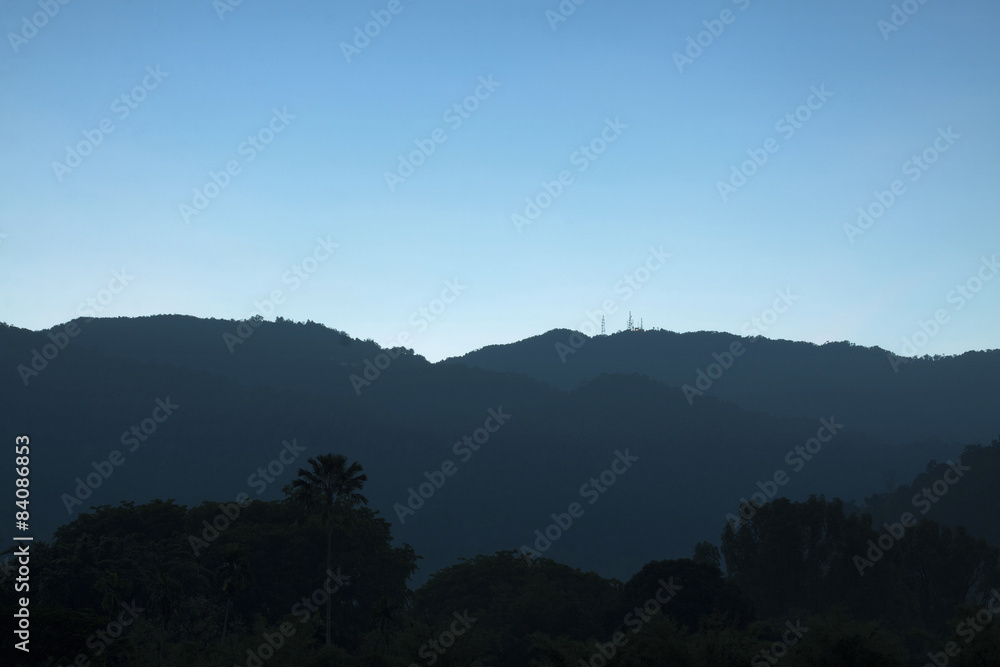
{"type": "Point", "coordinates": [330, 487]}
{"type": "Point", "coordinates": [235, 575]}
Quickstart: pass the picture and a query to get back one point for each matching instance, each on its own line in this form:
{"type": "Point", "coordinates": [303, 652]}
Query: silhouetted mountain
{"type": "Point", "coordinates": [618, 445]}
{"type": "Point", "coordinates": [895, 399]}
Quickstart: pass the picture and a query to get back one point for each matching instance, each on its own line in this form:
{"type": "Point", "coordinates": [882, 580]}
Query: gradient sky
{"type": "Point", "coordinates": [323, 174]}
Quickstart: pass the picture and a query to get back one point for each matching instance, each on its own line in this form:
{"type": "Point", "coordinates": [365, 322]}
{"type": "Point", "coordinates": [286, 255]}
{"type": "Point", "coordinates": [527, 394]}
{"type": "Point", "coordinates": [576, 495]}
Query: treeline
{"type": "Point", "coordinates": [313, 579]}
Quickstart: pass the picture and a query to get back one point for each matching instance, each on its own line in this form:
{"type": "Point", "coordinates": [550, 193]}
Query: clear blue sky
{"type": "Point", "coordinates": [681, 128]}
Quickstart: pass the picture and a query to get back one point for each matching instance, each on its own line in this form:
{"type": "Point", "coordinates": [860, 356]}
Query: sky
{"type": "Point", "coordinates": [459, 174]}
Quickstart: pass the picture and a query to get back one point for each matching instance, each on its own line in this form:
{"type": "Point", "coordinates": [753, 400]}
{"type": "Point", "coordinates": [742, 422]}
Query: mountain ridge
{"type": "Point", "coordinates": [697, 459]}
{"type": "Point", "coordinates": [779, 377]}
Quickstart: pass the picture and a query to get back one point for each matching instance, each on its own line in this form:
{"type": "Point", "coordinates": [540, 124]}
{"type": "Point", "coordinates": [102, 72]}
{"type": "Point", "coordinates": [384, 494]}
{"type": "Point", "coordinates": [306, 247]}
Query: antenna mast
{"type": "Point", "coordinates": [602, 325]}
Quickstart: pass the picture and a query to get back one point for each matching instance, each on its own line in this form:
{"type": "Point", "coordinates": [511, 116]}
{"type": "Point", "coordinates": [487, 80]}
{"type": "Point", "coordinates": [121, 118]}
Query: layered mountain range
{"type": "Point", "coordinates": [601, 452]}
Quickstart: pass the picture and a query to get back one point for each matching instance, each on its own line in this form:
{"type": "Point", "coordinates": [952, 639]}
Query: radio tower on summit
{"type": "Point", "coordinates": [631, 324]}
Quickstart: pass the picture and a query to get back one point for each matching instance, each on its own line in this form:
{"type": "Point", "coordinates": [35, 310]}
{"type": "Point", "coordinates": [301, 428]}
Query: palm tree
{"type": "Point", "coordinates": [387, 621]}
{"type": "Point", "coordinates": [111, 587]}
{"type": "Point", "coordinates": [235, 575]}
{"type": "Point", "coordinates": [165, 598]}
{"type": "Point", "coordinates": [329, 486]}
